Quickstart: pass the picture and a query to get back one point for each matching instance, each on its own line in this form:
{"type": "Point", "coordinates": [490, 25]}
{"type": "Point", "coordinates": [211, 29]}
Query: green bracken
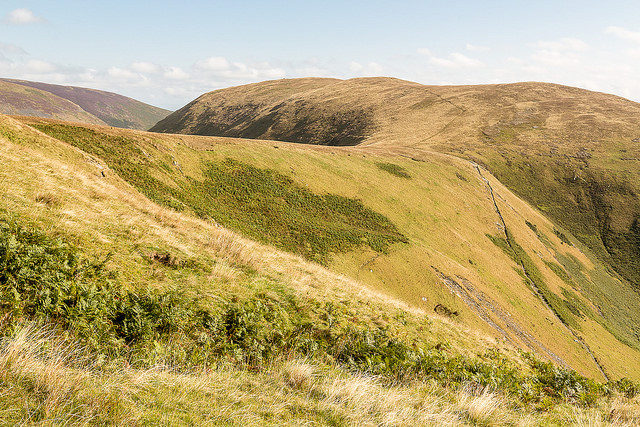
{"type": "Point", "coordinates": [261, 203]}
{"type": "Point", "coordinates": [48, 280]}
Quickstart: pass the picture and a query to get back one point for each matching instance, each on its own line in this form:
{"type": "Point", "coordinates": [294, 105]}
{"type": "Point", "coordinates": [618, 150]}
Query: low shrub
{"type": "Point", "coordinates": [47, 280]}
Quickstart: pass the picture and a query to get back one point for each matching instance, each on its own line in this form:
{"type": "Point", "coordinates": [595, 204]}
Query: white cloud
{"type": "Point", "coordinates": [554, 58]}
{"type": "Point", "coordinates": [38, 66]}
{"type": "Point", "coordinates": [424, 51]}
{"type": "Point", "coordinates": [562, 52]}
{"type": "Point", "coordinates": [22, 16]}
{"type": "Point", "coordinates": [175, 73]}
{"type": "Point", "coordinates": [623, 33]}
{"type": "Point", "coordinates": [219, 68]}
{"type": "Point", "coordinates": [563, 45]}
{"type": "Point", "coordinates": [476, 48]}
{"type": "Point", "coordinates": [213, 63]}
{"type": "Point", "coordinates": [455, 60]}
{"type": "Point", "coordinates": [145, 67]}
{"type": "Point", "coordinates": [122, 74]}
{"type": "Point", "coordinates": [370, 69]}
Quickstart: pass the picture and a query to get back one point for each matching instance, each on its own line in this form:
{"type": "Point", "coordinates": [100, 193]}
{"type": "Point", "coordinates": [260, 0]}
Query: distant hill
{"type": "Point", "coordinates": [572, 153]}
{"type": "Point", "coordinates": [22, 100]}
{"type": "Point", "coordinates": [83, 105]}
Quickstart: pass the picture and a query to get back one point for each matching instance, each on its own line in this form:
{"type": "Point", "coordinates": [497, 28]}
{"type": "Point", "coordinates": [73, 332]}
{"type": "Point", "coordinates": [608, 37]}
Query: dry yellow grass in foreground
{"type": "Point", "coordinates": [46, 383]}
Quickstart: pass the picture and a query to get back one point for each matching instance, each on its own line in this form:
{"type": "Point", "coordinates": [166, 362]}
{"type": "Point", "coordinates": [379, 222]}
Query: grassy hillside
{"type": "Point", "coordinates": [20, 100]}
{"type": "Point", "coordinates": [143, 313]}
{"type": "Point", "coordinates": [432, 238]}
{"type": "Point", "coordinates": [570, 152]}
{"type": "Point", "coordinates": [92, 106]}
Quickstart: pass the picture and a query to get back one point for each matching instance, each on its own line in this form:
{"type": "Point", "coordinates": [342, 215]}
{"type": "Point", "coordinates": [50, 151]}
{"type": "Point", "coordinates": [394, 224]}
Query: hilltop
{"type": "Point", "coordinates": [572, 153]}
{"type": "Point", "coordinates": [21, 97]}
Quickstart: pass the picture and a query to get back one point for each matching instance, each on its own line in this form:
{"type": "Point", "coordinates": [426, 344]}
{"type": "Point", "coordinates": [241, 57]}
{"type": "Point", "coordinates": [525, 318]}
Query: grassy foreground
{"type": "Point", "coordinates": [76, 349]}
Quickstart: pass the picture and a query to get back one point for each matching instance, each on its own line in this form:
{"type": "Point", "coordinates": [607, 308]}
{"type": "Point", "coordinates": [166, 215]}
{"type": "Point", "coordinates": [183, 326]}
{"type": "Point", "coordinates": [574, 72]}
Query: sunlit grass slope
{"type": "Point", "coordinates": [119, 310]}
{"type": "Point", "coordinates": [570, 152]}
{"type": "Point", "coordinates": [429, 231]}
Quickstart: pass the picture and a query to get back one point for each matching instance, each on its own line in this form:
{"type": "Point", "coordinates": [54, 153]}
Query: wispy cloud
{"type": "Point", "coordinates": [368, 69]}
{"type": "Point", "coordinates": [561, 52]}
{"type": "Point", "coordinates": [22, 16]}
{"type": "Point", "coordinates": [565, 44]}
{"type": "Point", "coordinates": [476, 48]}
{"type": "Point", "coordinates": [455, 60]}
{"type": "Point", "coordinates": [213, 63]}
{"type": "Point", "coordinates": [623, 33]}
{"type": "Point", "coordinates": [176, 73]}
{"type": "Point", "coordinates": [12, 48]}
{"type": "Point", "coordinates": [145, 67]}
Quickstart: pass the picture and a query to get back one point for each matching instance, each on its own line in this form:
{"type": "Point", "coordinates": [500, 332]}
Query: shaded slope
{"type": "Point", "coordinates": [443, 208]}
{"type": "Point", "coordinates": [112, 109]}
{"type": "Point", "coordinates": [574, 154]}
{"type": "Point", "coordinates": [273, 110]}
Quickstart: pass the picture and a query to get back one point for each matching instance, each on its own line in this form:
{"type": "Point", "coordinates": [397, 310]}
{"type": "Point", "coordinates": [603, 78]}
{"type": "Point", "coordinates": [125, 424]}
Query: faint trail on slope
{"type": "Point", "coordinates": [483, 306]}
{"type": "Point", "coordinates": [534, 286]}
{"type": "Point", "coordinates": [457, 116]}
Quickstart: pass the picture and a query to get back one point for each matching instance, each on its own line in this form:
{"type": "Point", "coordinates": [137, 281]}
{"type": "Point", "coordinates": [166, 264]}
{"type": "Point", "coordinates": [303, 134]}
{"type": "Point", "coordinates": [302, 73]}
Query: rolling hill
{"type": "Point", "coordinates": [21, 97]}
{"type": "Point", "coordinates": [434, 231]}
{"type": "Point", "coordinates": [572, 153]}
{"type": "Point", "coordinates": [152, 278]}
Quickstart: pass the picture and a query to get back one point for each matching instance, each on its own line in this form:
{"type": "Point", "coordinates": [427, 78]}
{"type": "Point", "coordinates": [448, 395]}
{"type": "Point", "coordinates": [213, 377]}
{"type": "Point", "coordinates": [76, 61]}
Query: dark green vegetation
{"type": "Point", "coordinates": [262, 204]}
{"type": "Point", "coordinates": [271, 207]}
{"type": "Point", "coordinates": [95, 106]}
{"type": "Point", "coordinates": [394, 169]}
{"type": "Point", "coordinates": [564, 309]}
{"type": "Point", "coordinates": [602, 211]}
{"type": "Point", "coordinates": [47, 280]}
{"type": "Point", "coordinates": [621, 321]}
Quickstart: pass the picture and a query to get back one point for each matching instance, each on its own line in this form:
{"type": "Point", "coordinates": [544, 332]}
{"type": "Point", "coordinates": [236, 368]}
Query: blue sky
{"type": "Point", "coordinates": [167, 52]}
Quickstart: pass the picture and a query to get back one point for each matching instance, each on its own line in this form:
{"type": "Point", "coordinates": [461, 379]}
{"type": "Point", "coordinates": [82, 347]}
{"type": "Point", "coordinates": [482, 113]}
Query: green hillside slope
{"type": "Point", "coordinates": [442, 236]}
{"type": "Point", "coordinates": [571, 153]}
{"type": "Point", "coordinates": [155, 315]}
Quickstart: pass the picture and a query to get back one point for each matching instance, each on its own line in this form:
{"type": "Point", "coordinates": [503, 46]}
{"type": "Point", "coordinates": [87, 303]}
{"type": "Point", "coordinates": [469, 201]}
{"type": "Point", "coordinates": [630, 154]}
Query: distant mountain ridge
{"type": "Point", "coordinates": [76, 104]}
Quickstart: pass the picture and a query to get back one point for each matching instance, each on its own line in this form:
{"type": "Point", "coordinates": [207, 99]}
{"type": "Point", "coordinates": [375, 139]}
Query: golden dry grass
{"type": "Point", "coordinates": [44, 382]}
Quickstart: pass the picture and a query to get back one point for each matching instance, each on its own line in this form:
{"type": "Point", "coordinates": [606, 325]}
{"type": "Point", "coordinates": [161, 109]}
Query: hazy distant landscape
{"type": "Point", "coordinates": [347, 249]}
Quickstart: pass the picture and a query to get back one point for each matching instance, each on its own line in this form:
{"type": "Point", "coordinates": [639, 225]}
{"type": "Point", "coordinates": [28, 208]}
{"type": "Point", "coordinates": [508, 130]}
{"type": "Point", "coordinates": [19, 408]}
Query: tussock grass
{"type": "Point", "coordinates": [44, 381]}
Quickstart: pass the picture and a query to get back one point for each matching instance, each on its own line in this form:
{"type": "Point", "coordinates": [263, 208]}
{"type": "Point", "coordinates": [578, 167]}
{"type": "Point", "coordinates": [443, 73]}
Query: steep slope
{"type": "Point", "coordinates": [20, 100]}
{"type": "Point", "coordinates": [572, 153]}
{"type": "Point", "coordinates": [110, 108]}
{"type": "Point", "coordinates": [172, 319]}
{"type": "Point", "coordinates": [442, 234]}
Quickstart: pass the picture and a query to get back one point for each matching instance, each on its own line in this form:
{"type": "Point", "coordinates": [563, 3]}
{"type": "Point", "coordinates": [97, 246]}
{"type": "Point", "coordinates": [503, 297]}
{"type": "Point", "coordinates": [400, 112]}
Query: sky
{"type": "Point", "coordinates": [167, 53]}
